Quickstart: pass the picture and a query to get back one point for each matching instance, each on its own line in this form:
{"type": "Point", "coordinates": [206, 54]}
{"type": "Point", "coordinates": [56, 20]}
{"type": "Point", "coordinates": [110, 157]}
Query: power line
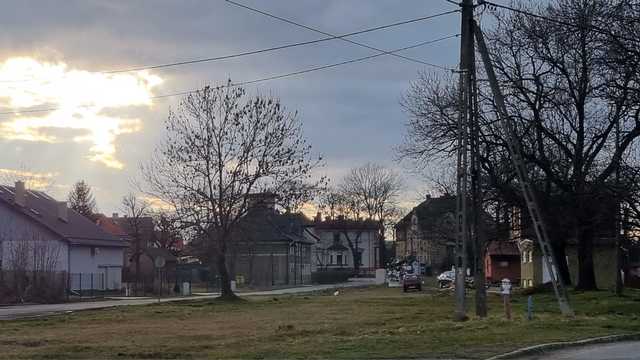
{"type": "Point", "coordinates": [290, 74]}
{"type": "Point", "coordinates": [265, 50]}
{"type": "Point", "coordinates": [560, 22]}
{"type": "Point", "coordinates": [281, 47]}
{"type": "Point", "coordinates": [329, 34]}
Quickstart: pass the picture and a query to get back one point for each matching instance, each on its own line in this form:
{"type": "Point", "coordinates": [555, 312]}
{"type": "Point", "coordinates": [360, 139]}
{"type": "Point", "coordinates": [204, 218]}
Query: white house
{"type": "Point", "coordinates": [336, 240]}
{"type": "Point", "coordinates": [39, 233]}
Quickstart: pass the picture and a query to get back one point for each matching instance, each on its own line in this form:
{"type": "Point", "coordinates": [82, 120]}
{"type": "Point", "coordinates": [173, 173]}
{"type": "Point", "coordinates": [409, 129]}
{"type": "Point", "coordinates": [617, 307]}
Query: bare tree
{"type": "Point", "coordinates": [221, 146]}
{"type": "Point", "coordinates": [135, 211]}
{"type": "Point", "coordinates": [33, 263]}
{"type": "Point", "coordinates": [81, 200]}
{"type": "Point", "coordinates": [167, 231]}
{"type": "Point", "coordinates": [375, 189]}
{"type": "Point", "coordinates": [566, 89]}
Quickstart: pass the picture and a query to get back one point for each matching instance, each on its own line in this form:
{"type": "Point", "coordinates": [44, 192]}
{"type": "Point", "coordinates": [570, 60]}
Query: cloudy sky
{"type": "Point", "coordinates": [99, 126]}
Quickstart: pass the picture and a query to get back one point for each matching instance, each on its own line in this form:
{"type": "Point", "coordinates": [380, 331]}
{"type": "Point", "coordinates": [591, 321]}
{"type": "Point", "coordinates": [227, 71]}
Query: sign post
{"type": "Point", "coordinates": [159, 263]}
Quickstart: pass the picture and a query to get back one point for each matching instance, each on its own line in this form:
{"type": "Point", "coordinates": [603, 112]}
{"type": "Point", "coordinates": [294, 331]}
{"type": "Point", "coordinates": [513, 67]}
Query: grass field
{"type": "Point", "coordinates": [359, 323]}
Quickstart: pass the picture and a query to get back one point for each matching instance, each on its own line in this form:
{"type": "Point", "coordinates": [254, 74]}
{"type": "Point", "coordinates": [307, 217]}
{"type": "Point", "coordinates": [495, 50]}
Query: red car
{"type": "Point", "coordinates": [411, 281]}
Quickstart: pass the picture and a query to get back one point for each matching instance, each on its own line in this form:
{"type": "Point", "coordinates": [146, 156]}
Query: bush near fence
{"type": "Point", "coordinates": [331, 276]}
{"type": "Point", "coordinates": [32, 287]}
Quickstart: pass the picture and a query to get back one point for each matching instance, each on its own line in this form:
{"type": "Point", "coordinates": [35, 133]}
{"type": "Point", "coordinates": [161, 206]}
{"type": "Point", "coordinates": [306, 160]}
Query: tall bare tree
{"type": "Point", "coordinates": [167, 231]}
{"type": "Point", "coordinates": [221, 146]}
{"type": "Point", "coordinates": [135, 211]}
{"type": "Point", "coordinates": [566, 89]}
{"type": "Point", "coordinates": [375, 189]}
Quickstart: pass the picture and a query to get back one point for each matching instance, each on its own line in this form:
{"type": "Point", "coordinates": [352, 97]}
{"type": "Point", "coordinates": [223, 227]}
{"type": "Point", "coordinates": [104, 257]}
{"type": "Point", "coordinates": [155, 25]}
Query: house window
{"type": "Point", "coordinates": [336, 238]}
{"type": "Point", "coordinates": [339, 259]}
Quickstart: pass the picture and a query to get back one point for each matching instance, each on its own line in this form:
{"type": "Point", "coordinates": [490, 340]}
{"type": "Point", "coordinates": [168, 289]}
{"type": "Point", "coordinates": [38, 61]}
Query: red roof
{"type": "Point", "coordinates": [503, 248]}
{"type": "Point", "coordinates": [110, 226]}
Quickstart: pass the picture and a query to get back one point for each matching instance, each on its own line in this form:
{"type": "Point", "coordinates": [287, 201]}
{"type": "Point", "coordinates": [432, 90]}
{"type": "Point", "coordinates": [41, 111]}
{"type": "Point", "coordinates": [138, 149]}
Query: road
{"type": "Point", "coordinates": [24, 311]}
{"type": "Point", "coordinates": [613, 351]}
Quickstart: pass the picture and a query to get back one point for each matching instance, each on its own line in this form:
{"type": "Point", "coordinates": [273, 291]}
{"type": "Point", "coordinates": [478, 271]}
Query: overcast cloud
{"type": "Point", "coordinates": [350, 113]}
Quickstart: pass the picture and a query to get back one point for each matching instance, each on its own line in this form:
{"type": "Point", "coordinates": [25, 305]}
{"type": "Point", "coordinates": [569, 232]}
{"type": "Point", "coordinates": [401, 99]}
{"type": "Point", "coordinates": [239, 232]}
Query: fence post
{"type": "Point", "coordinates": [80, 286]}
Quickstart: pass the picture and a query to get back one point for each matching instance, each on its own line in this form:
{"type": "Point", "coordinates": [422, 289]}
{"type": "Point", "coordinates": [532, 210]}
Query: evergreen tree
{"type": "Point", "coordinates": [81, 199]}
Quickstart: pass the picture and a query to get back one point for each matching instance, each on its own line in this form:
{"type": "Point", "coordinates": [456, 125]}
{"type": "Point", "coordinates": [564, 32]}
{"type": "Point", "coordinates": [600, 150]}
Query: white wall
{"type": "Point", "coordinates": [367, 241]}
{"type": "Point", "coordinates": [15, 230]}
{"type": "Point", "coordinates": [104, 260]}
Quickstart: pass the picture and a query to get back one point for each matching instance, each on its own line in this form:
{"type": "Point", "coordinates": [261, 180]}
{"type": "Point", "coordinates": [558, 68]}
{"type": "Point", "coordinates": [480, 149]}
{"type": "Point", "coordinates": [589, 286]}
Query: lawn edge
{"type": "Point", "coordinates": [542, 348]}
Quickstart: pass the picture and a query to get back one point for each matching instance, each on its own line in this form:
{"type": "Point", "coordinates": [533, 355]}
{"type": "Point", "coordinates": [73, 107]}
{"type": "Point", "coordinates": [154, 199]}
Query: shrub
{"type": "Point", "coordinates": [331, 276]}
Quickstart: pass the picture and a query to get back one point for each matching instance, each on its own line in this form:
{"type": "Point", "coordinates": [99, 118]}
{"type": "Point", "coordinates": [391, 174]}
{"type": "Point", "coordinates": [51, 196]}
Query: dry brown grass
{"type": "Point", "coordinates": [360, 323]}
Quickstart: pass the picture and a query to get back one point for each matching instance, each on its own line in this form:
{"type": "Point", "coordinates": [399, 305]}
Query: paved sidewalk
{"type": "Point", "coordinates": [613, 351]}
{"type": "Point", "coordinates": [23, 311]}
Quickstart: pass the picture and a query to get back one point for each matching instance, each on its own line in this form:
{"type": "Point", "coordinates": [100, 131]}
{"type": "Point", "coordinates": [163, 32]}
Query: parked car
{"type": "Point", "coordinates": [447, 279]}
{"type": "Point", "coordinates": [411, 281]}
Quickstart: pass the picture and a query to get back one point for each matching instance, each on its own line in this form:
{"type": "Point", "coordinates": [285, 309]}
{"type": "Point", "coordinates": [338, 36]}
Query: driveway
{"type": "Point", "coordinates": [23, 311]}
{"type": "Point", "coordinates": [613, 351]}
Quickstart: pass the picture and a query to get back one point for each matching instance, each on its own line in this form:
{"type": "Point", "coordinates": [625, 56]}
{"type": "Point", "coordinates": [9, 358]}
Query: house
{"type": "Point", "coordinates": [427, 233]}
{"type": "Point", "coordinates": [502, 260]}
{"type": "Point", "coordinates": [43, 234]}
{"type": "Point", "coordinates": [140, 234]}
{"type": "Point", "coordinates": [271, 248]}
{"type": "Point", "coordinates": [534, 271]}
{"type": "Point", "coordinates": [338, 238]}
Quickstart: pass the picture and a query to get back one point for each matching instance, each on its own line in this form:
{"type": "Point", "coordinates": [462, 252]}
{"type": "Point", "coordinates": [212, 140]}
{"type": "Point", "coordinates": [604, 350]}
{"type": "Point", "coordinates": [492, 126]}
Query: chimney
{"type": "Point", "coordinates": [114, 215]}
{"type": "Point", "coordinates": [20, 195]}
{"type": "Point", "coordinates": [63, 213]}
{"type": "Point", "coordinates": [263, 200]}
{"type": "Point", "coordinates": [318, 217]}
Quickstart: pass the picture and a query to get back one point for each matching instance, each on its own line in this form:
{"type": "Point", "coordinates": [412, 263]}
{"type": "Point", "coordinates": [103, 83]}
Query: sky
{"type": "Point", "coordinates": [101, 126]}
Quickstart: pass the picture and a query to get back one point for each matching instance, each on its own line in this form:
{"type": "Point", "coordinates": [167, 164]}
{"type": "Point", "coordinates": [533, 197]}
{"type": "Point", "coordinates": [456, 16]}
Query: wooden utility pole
{"type": "Point", "coordinates": [464, 117]}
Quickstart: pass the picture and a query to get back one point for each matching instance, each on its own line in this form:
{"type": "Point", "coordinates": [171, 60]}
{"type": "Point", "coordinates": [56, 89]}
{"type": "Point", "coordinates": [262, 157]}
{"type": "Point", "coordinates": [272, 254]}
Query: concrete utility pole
{"type": "Point", "coordinates": [618, 223]}
{"type": "Point", "coordinates": [464, 117]}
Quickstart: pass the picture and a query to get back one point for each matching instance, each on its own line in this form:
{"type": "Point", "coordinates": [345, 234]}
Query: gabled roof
{"type": "Point", "coordinates": [347, 224]}
{"type": "Point", "coordinates": [144, 223]}
{"type": "Point", "coordinates": [42, 209]}
{"type": "Point", "coordinates": [431, 208]}
{"type": "Point", "coordinates": [503, 248]}
{"type": "Point", "coordinates": [111, 227]}
{"type": "Point", "coordinates": [268, 225]}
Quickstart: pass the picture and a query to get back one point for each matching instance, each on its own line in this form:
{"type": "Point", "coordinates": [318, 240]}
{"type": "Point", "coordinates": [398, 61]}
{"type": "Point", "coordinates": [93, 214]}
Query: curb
{"type": "Point", "coordinates": [542, 348]}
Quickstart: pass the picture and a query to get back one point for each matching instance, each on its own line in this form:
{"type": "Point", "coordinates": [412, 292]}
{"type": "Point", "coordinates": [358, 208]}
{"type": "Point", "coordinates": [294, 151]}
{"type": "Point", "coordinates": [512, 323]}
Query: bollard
{"type": "Point", "coordinates": [505, 290]}
{"type": "Point", "coordinates": [530, 308]}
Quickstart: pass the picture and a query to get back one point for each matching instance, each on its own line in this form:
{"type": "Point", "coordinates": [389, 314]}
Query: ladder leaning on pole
{"type": "Point", "coordinates": [529, 196]}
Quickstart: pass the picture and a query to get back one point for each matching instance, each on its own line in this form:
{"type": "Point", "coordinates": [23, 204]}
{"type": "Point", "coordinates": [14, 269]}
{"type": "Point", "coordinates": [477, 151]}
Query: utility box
{"type": "Point", "coordinates": [186, 289]}
{"type": "Point", "coordinates": [234, 287]}
{"type": "Point", "coordinates": [380, 276]}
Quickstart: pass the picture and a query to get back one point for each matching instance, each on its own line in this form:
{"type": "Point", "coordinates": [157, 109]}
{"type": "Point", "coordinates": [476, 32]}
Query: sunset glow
{"type": "Point", "coordinates": [89, 107]}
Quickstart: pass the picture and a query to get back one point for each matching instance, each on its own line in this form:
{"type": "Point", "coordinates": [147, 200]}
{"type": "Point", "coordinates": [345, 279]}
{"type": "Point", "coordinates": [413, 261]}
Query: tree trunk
{"type": "Point", "coordinates": [225, 280]}
{"type": "Point", "coordinates": [137, 261]}
{"type": "Point", "coordinates": [480, 284]}
{"type": "Point", "coordinates": [586, 273]}
{"type": "Point", "coordinates": [561, 261]}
